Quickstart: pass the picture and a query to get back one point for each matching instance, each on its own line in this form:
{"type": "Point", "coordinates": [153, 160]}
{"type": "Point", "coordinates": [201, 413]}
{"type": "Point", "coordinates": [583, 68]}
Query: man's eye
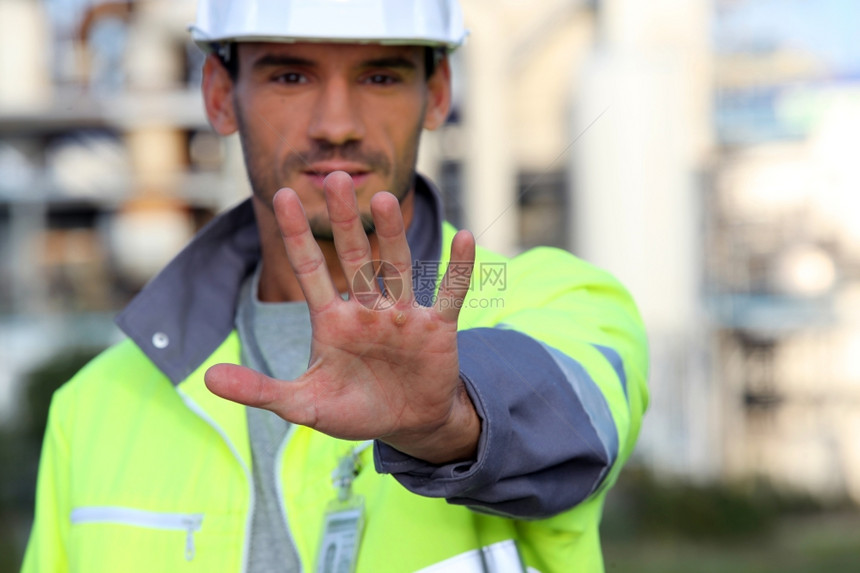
{"type": "Point", "coordinates": [381, 79]}
{"type": "Point", "coordinates": [291, 78]}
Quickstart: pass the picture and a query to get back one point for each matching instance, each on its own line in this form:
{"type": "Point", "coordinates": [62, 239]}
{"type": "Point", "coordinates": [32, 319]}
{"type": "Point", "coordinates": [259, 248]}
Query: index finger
{"type": "Point", "coordinates": [455, 283]}
{"type": "Point", "coordinates": [304, 253]}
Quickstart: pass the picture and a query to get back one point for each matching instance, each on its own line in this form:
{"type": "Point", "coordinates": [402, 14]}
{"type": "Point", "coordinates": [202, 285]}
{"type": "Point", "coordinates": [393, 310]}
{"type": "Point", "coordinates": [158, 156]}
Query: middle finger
{"type": "Point", "coordinates": [350, 237]}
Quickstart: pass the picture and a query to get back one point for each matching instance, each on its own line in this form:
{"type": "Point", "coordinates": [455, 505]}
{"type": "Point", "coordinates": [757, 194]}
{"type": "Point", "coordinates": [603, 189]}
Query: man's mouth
{"type": "Point", "coordinates": [318, 172]}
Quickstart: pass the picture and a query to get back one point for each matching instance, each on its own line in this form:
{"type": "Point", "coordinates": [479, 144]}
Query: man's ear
{"type": "Point", "coordinates": [218, 96]}
{"type": "Point", "coordinates": [439, 95]}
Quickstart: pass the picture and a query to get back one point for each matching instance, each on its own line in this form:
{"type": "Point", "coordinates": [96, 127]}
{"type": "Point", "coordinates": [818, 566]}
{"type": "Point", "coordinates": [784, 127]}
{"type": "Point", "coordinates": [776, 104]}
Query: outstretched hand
{"type": "Point", "coordinates": [382, 366]}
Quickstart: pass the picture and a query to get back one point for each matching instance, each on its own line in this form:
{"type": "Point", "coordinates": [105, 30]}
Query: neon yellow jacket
{"type": "Point", "coordinates": [143, 473]}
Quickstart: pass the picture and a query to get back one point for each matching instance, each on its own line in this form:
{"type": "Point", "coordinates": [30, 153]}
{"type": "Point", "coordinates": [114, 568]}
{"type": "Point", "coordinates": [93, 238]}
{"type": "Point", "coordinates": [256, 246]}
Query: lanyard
{"type": "Point", "coordinates": [347, 470]}
{"type": "Point", "coordinates": [344, 518]}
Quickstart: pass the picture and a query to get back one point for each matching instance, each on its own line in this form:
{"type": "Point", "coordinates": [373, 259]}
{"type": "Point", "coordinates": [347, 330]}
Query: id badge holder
{"type": "Point", "coordinates": [341, 536]}
{"type": "Point", "coordinates": [343, 522]}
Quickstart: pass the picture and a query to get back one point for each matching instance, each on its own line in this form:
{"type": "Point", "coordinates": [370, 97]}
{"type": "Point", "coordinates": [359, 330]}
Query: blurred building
{"type": "Point", "coordinates": [107, 167]}
{"type": "Point", "coordinates": [782, 244]}
{"type": "Point", "coordinates": [642, 115]}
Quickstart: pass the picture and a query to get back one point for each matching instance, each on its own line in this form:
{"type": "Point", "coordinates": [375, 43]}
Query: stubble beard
{"type": "Point", "coordinates": [265, 181]}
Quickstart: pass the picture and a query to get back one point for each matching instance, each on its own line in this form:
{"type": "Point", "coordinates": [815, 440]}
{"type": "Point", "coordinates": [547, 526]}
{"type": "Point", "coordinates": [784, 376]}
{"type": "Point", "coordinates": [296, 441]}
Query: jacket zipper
{"type": "Point", "coordinates": [188, 522]}
{"type": "Point", "coordinates": [279, 488]}
{"type": "Point", "coordinates": [194, 407]}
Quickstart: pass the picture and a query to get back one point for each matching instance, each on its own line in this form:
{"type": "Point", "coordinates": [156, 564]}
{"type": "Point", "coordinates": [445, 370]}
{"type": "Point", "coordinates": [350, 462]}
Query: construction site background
{"type": "Point", "coordinates": [704, 151]}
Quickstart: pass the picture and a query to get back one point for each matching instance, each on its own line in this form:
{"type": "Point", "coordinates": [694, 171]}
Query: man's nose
{"type": "Point", "coordinates": [336, 116]}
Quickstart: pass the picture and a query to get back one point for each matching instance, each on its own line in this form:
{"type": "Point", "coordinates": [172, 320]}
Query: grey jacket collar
{"type": "Point", "coordinates": [181, 317]}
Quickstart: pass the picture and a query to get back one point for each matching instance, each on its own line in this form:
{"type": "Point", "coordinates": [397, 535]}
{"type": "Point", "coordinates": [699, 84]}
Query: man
{"type": "Point", "coordinates": [231, 431]}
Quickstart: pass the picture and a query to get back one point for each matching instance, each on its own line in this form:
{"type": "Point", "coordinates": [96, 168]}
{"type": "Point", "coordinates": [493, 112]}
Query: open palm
{"type": "Point", "coordinates": [382, 366]}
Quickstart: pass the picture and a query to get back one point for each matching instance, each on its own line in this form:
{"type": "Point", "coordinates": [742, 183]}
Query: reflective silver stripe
{"type": "Point", "coordinates": [188, 522]}
{"type": "Point", "coordinates": [592, 398]}
{"type": "Point", "coordinates": [501, 557]}
{"type": "Point", "coordinates": [617, 364]}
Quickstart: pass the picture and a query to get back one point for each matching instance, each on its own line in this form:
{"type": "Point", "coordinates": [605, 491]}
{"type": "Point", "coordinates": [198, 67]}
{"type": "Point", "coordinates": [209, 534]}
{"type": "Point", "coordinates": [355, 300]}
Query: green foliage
{"type": "Point", "coordinates": [655, 525]}
{"type": "Point", "coordinates": [642, 504]}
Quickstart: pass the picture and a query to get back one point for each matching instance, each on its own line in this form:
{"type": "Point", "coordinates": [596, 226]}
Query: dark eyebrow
{"type": "Point", "coordinates": [274, 60]}
{"type": "Point", "coordinates": [391, 62]}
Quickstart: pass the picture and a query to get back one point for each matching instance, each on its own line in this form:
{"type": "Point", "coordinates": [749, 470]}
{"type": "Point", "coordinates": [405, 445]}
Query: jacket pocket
{"type": "Point", "coordinates": [187, 522]}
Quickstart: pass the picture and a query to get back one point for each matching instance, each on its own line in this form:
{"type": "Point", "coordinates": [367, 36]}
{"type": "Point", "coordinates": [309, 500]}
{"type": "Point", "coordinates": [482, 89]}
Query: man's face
{"type": "Point", "coordinates": [304, 110]}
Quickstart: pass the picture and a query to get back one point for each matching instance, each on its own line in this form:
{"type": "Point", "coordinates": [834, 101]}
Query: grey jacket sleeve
{"type": "Point", "coordinates": [547, 441]}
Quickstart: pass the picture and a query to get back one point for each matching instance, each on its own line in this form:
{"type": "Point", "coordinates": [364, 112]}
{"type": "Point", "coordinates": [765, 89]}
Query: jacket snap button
{"type": "Point", "coordinates": [160, 340]}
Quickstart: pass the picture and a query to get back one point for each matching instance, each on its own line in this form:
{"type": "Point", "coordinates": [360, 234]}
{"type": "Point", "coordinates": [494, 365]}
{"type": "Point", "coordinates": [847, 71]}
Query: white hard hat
{"type": "Point", "coordinates": [418, 22]}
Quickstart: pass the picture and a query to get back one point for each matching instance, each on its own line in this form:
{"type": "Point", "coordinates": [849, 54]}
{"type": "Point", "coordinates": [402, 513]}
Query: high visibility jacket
{"type": "Point", "coordinates": [139, 473]}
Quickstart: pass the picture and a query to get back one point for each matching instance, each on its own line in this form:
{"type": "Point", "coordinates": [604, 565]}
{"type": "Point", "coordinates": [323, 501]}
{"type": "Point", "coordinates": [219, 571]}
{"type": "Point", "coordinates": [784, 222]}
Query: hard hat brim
{"type": "Point", "coordinates": [207, 43]}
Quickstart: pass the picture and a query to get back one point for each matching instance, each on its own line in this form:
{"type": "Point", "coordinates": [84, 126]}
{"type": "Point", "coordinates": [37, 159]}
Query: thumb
{"type": "Point", "coordinates": [245, 386]}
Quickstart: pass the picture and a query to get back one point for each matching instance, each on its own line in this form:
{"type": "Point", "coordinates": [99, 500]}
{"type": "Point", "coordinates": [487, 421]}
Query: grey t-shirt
{"type": "Point", "coordinates": [276, 341]}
